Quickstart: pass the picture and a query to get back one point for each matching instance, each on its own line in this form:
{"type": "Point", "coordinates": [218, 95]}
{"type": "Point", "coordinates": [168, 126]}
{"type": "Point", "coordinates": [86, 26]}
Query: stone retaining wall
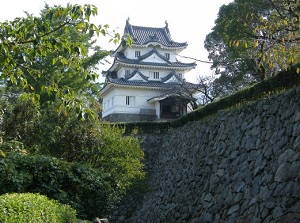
{"type": "Point", "coordinates": [242, 165]}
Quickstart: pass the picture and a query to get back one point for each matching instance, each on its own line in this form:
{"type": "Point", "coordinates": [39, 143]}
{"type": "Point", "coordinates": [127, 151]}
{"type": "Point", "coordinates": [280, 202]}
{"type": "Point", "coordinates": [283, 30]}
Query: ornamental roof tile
{"type": "Point", "coordinates": [143, 35]}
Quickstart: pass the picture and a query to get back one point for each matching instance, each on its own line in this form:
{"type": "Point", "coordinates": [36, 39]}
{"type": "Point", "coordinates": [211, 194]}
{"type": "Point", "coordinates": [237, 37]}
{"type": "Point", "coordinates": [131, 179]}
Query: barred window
{"type": "Point", "coordinates": [137, 53]}
{"type": "Point", "coordinates": [130, 100]}
{"type": "Point", "coordinates": [156, 75]}
{"type": "Point", "coordinates": [167, 55]}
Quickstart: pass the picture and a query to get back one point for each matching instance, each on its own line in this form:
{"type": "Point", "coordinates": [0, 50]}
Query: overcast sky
{"type": "Point", "coordinates": [189, 20]}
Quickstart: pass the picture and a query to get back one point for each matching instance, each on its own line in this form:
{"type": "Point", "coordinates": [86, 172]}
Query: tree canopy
{"type": "Point", "coordinates": [37, 53]}
{"type": "Point", "coordinates": [252, 40]}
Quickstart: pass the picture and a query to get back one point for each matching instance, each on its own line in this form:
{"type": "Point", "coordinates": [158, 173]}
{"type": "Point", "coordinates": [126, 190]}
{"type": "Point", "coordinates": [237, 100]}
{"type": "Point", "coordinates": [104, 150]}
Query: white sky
{"type": "Point", "coordinates": [189, 20]}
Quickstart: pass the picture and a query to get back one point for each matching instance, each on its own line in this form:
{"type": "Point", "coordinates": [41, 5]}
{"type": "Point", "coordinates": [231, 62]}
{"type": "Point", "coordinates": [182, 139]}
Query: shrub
{"type": "Point", "coordinates": [66, 137]}
{"type": "Point", "coordinates": [87, 190]}
{"type": "Point", "coordinates": [30, 207]}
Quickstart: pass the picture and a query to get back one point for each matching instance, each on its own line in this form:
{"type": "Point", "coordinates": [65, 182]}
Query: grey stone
{"type": "Point", "coordinates": [250, 143]}
{"type": "Point", "coordinates": [274, 108]}
{"type": "Point", "coordinates": [294, 170]}
{"type": "Point", "coordinates": [296, 145]}
{"type": "Point", "coordinates": [208, 217]}
{"type": "Point", "coordinates": [242, 167]}
{"type": "Point", "coordinates": [282, 174]}
{"type": "Point", "coordinates": [290, 218]}
{"type": "Point", "coordinates": [285, 156]}
{"type": "Point", "coordinates": [233, 209]}
{"type": "Point", "coordinates": [277, 212]}
{"type": "Point", "coordinates": [296, 129]}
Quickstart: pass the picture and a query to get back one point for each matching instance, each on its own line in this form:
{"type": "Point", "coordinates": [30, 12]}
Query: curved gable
{"type": "Point", "coordinates": [153, 56]}
{"type": "Point", "coordinates": [136, 76]}
{"type": "Point", "coordinates": [171, 78]}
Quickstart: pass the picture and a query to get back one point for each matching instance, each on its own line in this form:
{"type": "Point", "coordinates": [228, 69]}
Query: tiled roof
{"type": "Point", "coordinates": [170, 86]}
{"type": "Point", "coordinates": [163, 96]}
{"type": "Point", "coordinates": [152, 84]}
{"type": "Point", "coordinates": [122, 59]}
{"type": "Point", "coordinates": [144, 35]}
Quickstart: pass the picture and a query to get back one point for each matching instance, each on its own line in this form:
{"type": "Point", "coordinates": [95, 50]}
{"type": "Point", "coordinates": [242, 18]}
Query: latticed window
{"type": "Point", "coordinates": [137, 53]}
{"type": "Point", "coordinates": [156, 75]}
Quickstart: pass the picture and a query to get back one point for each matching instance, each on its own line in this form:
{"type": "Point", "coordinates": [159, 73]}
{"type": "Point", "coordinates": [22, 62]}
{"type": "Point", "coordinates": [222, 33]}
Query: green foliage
{"type": "Point", "coordinates": [144, 127]}
{"type": "Point", "coordinates": [37, 208]}
{"type": "Point", "coordinates": [37, 52]}
{"type": "Point", "coordinates": [90, 192]}
{"type": "Point", "coordinates": [92, 142]}
{"type": "Point", "coordinates": [64, 136]}
{"type": "Point", "coordinates": [17, 121]}
{"type": "Point", "coordinates": [261, 41]}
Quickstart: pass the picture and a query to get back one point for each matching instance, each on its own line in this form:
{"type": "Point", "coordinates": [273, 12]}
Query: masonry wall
{"type": "Point", "coordinates": [242, 165]}
{"type": "Point", "coordinates": [125, 117]}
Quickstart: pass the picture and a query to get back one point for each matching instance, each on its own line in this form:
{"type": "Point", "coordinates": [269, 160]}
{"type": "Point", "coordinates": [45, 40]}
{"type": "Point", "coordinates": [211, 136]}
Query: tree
{"type": "Point", "coordinates": [93, 142]}
{"type": "Point", "coordinates": [279, 30]}
{"type": "Point", "coordinates": [260, 41]}
{"type": "Point", "coordinates": [70, 77]}
{"type": "Point", "coordinates": [27, 44]}
{"type": "Point", "coordinates": [186, 92]}
{"type": "Point", "coordinates": [213, 88]}
{"type": "Point", "coordinates": [48, 57]}
{"type": "Point", "coordinates": [207, 93]}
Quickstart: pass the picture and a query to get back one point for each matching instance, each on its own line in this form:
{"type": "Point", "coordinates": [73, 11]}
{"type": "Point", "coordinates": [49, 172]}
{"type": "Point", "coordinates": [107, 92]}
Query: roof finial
{"type": "Point", "coordinates": [127, 21]}
{"type": "Point", "coordinates": [166, 22]}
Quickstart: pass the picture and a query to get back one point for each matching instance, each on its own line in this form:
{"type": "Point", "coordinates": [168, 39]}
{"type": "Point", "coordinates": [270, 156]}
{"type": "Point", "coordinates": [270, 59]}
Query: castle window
{"type": "Point", "coordinates": [156, 75]}
{"type": "Point", "coordinates": [130, 100]}
{"type": "Point", "coordinates": [167, 55]}
{"type": "Point", "coordinates": [137, 53]}
{"type": "Point", "coordinates": [180, 75]}
{"type": "Point", "coordinates": [127, 72]}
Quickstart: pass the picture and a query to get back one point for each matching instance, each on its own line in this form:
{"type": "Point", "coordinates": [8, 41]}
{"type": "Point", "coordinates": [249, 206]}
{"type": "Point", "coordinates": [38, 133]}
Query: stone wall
{"type": "Point", "coordinates": [242, 165]}
{"type": "Point", "coordinates": [125, 117]}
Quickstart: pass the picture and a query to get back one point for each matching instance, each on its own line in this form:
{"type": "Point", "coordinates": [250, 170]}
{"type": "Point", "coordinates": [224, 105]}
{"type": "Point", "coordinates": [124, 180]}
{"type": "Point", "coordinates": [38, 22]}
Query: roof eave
{"type": "Point", "coordinates": [176, 48]}
{"type": "Point", "coordinates": [163, 66]}
{"type": "Point", "coordinates": [111, 85]}
{"type": "Point", "coordinates": [119, 49]}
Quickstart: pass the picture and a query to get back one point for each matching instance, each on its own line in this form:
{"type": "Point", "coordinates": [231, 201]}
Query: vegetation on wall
{"type": "Point", "coordinates": [282, 81]}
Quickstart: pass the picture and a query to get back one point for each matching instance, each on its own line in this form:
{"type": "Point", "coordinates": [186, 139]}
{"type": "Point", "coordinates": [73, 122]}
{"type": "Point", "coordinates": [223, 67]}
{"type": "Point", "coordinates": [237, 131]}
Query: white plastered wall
{"type": "Point", "coordinates": [118, 96]}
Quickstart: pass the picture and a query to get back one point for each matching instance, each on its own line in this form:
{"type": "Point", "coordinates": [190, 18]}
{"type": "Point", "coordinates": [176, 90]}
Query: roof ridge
{"type": "Point", "coordinates": [142, 35]}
